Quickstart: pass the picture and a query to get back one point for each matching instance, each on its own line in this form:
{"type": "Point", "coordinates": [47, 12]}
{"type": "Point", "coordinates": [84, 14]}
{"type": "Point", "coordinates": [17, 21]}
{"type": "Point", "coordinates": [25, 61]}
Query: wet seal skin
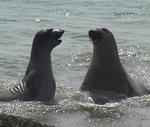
{"type": "Point", "coordinates": [38, 83]}
{"type": "Point", "coordinates": [106, 72]}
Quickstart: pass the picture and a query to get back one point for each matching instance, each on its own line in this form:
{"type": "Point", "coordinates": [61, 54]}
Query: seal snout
{"type": "Point", "coordinates": [57, 33]}
{"type": "Point", "coordinates": [105, 30]}
{"type": "Point", "coordinates": [98, 33]}
{"type": "Point", "coordinates": [95, 34]}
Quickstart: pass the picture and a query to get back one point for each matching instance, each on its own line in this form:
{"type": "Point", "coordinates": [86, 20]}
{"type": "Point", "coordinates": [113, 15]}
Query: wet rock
{"type": "Point", "coordinates": [16, 121]}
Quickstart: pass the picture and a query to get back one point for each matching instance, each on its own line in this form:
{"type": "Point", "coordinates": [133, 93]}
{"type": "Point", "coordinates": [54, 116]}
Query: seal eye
{"type": "Point", "coordinates": [49, 31]}
{"type": "Point", "coordinates": [105, 30]}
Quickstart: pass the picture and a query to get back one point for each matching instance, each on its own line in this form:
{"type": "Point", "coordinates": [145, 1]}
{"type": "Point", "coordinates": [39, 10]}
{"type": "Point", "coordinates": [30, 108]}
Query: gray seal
{"type": "Point", "coordinates": [106, 72]}
{"type": "Point", "coordinates": [38, 83]}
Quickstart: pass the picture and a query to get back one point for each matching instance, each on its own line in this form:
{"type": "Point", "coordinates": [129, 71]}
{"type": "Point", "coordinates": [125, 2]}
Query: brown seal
{"type": "Point", "coordinates": [38, 83]}
{"type": "Point", "coordinates": [106, 72]}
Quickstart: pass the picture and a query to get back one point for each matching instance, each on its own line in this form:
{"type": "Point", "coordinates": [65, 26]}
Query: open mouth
{"type": "Point", "coordinates": [57, 34]}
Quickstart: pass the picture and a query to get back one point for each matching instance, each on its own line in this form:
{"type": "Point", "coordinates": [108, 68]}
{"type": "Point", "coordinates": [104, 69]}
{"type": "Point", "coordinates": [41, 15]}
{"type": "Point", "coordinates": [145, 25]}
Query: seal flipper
{"type": "Point", "coordinates": [136, 88]}
{"type": "Point", "coordinates": [21, 91]}
{"type": "Point", "coordinates": [31, 81]}
{"type": "Point", "coordinates": [13, 93]}
{"type": "Point", "coordinates": [37, 87]}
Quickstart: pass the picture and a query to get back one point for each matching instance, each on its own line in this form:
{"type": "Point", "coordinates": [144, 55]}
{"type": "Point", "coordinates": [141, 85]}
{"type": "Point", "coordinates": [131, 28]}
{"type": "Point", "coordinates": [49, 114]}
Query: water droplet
{"type": "Point", "coordinates": [37, 20]}
{"type": "Point", "coordinates": [67, 14]}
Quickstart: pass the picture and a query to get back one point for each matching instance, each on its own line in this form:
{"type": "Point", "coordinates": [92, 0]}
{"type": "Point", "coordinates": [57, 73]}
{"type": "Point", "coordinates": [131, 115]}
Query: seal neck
{"type": "Point", "coordinates": [40, 58]}
{"type": "Point", "coordinates": [106, 55]}
{"type": "Point", "coordinates": [40, 55]}
{"type": "Point", "coordinates": [40, 51]}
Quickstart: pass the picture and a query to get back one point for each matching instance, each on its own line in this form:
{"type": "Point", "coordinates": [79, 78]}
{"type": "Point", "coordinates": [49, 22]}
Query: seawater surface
{"type": "Point", "coordinates": [128, 20]}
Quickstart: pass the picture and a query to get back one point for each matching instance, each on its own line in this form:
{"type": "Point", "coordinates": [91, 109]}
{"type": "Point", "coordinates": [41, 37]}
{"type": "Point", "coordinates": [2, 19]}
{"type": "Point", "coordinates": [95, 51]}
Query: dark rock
{"type": "Point", "coordinates": [16, 121]}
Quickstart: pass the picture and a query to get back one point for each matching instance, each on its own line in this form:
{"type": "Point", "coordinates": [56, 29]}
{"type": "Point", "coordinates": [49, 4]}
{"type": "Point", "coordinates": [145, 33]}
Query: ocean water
{"type": "Point", "coordinates": [128, 20]}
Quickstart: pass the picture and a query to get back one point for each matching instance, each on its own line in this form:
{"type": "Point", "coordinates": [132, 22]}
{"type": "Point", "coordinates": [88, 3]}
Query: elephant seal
{"type": "Point", "coordinates": [106, 72]}
{"type": "Point", "coordinates": [38, 83]}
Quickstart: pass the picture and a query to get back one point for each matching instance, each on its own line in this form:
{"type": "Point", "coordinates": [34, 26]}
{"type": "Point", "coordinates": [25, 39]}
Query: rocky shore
{"type": "Point", "coordinates": [16, 121]}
